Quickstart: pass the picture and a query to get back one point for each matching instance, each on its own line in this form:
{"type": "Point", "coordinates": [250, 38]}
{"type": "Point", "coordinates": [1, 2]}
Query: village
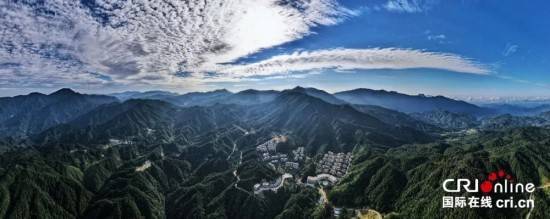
{"type": "Point", "coordinates": [268, 153]}
{"type": "Point", "coordinates": [329, 170]}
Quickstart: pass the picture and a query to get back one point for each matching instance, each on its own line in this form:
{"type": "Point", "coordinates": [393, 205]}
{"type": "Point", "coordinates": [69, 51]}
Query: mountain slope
{"type": "Point", "coordinates": [519, 110]}
{"type": "Point", "coordinates": [397, 118]}
{"type": "Point", "coordinates": [199, 98]}
{"type": "Point", "coordinates": [30, 114]}
{"type": "Point", "coordinates": [152, 159]}
{"type": "Point", "coordinates": [222, 96]}
{"type": "Point", "coordinates": [408, 103]}
{"type": "Point", "coordinates": [149, 119]}
{"type": "Point", "coordinates": [447, 120]}
{"type": "Point", "coordinates": [320, 94]}
{"type": "Point", "coordinates": [508, 121]}
{"type": "Point", "coordinates": [407, 180]}
{"type": "Point", "coordinates": [251, 97]}
{"type": "Point", "coordinates": [321, 125]}
{"type": "Point", "coordinates": [152, 95]}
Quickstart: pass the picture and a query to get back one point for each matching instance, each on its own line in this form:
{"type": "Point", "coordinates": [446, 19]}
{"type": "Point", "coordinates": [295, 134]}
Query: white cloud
{"type": "Point", "coordinates": [352, 59]}
{"type": "Point", "coordinates": [409, 6]}
{"type": "Point", "coordinates": [155, 42]}
{"type": "Point", "coordinates": [510, 49]}
{"type": "Point", "coordinates": [146, 41]}
{"type": "Point", "coordinates": [437, 37]}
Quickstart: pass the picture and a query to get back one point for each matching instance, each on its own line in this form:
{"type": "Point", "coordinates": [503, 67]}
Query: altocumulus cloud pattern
{"type": "Point", "coordinates": [104, 42]}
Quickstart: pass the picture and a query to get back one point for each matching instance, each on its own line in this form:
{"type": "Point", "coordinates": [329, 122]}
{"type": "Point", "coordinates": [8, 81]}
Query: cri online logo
{"type": "Point", "coordinates": [497, 182]}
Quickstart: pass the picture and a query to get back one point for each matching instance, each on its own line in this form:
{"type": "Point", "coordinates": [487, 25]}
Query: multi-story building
{"type": "Point", "coordinates": [336, 164]}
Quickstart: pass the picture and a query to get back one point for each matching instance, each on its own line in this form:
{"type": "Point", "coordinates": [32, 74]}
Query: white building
{"type": "Point", "coordinates": [323, 177]}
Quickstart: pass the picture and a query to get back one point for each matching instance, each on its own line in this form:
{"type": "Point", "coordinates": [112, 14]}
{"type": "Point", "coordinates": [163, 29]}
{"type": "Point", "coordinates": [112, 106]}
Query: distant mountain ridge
{"type": "Point", "coordinates": [208, 98]}
{"type": "Point", "coordinates": [362, 96]}
{"type": "Point", "coordinates": [519, 110]}
{"type": "Point", "coordinates": [508, 121]}
{"type": "Point", "coordinates": [30, 114]}
{"type": "Point", "coordinates": [323, 123]}
{"type": "Point", "coordinates": [138, 118]}
{"type": "Point", "coordinates": [408, 103]}
{"type": "Point", "coordinates": [155, 95]}
{"type": "Point", "coordinates": [199, 98]}
{"type": "Point", "coordinates": [447, 120]}
{"type": "Point", "coordinates": [320, 94]}
{"type": "Point", "coordinates": [151, 158]}
{"type": "Point", "coordinates": [422, 113]}
{"type": "Point", "coordinates": [313, 121]}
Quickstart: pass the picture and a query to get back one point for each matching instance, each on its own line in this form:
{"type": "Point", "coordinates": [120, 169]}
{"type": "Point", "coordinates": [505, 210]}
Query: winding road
{"type": "Point", "coordinates": [232, 151]}
{"type": "Point", "coordinates": [238, 179]}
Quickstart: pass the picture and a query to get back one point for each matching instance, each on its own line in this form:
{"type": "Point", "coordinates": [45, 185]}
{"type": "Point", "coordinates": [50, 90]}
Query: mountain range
{"type": "Point", "coordinates": [387, 99]}
{"type": "Point", "coordinates": [165, 155]}
{"type": "Point", "coordinates": [408, 103]}
{"type": "Point", "coordinates": [315, 121]}
{"type": "Point", "coordinates": [31, 114]}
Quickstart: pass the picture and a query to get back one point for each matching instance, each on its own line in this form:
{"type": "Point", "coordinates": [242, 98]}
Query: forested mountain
{"type": "Point", "coordinates": [447, 120]}
{"type": "Point", "coordinates": [408, 103]}
{"type": "Point", "coordinates": [519, 110]}
{"type": "Point", "coordinates": [407, 180]}
{"type": "Point", "coordinates": [209, 98]}
{"type": "Point", "coordinates": [153, 95]}
{"type": "Point", "coordinates": [313, 121]}
{"type": "Point", "coordinates": [320, 94]}
{"type": "Point", "coordinates": [150, 158]}
{"type": "Point", "coordinates": [398, 119]}
{"type": "Point", "coordinates": [139, 118]}
{"type": "Point", "coordinates": [321, 124]}
{"type": "Point", "coordinates": [507, 121]}
{"type": "Point", "coordinates": [30, 114]}
{"type": "Point", "coordinates": [199, 98]}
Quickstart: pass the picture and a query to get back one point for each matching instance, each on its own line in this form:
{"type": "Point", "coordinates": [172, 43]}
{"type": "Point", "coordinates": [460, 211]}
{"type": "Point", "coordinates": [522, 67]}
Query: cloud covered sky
{"type": "Point", "coordinates": [104, 45]}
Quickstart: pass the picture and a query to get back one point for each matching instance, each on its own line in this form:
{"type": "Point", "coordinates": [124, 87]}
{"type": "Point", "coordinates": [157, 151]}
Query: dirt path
{"type": "Point", "coordinates": [547, 185]}
{"type": "Point", "coordinates": [370, 214]}
{"type": "Point", "coordinates": [323, 196]}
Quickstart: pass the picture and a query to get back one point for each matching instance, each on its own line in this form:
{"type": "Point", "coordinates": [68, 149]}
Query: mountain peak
{"type": "Point", "coordinates": [294, 94]}
{"type": "Point", "coordinates": [253, 91]}
{"type": "Point", "coordinates": [64, 91]}
{"type": "Point", "coordinates": [298, 88]}
{"type": "Point", "coordinates": [36, 94]}
{"type": "Point", "coordinates": [314, 92]}
{"type": "Point", "coordinates": [221, 91]}
{"type": "Point", "coordinates": [248, 91]}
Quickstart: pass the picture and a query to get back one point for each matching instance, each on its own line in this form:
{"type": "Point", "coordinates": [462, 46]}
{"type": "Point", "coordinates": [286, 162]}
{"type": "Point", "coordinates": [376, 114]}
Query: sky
{"type": "Point", "coordinates": [469, 49]}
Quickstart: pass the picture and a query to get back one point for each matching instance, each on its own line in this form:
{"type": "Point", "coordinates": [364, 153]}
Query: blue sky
{"type": "Point", "coordinates": [480, 49]}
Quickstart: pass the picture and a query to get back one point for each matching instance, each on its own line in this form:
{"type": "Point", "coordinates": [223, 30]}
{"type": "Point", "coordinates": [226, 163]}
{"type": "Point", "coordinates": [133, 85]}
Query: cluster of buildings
{"type": "Point", "coordinates": [268, 146]}
{"type": "Point", "coordinates": [298, 154]}
{"type": "Point", "coordinates": [268, 153]}
{"type": "Point", "coordinates": [321, 179]}
{"type": "Point", "coordinates": [336, 164]}
{"type": "Point", "coordinates": [330, 169]}
{"type": "Point", "coordinates": [273, 186]}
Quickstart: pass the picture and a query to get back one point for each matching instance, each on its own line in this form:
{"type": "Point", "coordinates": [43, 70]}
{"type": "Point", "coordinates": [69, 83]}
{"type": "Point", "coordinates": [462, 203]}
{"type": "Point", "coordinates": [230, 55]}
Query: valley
{"type": "Point", "coordinates": [274, 109]}
{"type": "Point", "coordinates": [297, 153]}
